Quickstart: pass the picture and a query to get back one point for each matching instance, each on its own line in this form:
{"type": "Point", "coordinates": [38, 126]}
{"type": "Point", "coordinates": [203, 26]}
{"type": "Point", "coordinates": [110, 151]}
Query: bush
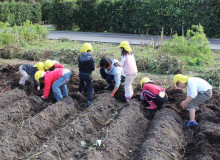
{"type": "Point", "coordinates": [194, 49]}
{"type": "Point", "coordinates": [21, 35]}
{"type": "Point", "coordinates": [16, 13]}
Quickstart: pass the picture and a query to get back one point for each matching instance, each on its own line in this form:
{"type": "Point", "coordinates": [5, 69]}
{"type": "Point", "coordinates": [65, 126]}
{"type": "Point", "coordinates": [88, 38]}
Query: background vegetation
{"type": "Point", "coordinates": [134, 16]}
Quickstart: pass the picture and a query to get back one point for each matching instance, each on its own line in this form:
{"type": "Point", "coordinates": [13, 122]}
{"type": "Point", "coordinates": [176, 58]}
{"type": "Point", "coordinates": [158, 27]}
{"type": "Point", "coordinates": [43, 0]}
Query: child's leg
{"type": "Point", "coordinates": [62, 81]}
{"type": "Point", "coordinates": [24, 76]}
{"type": "Point", "coordinates": [81, 84]}
{"type": "Point", "coordinates": [149, 97]}
{"type": "Point", "coordinates": [90, 89]}
{"type": "Point", "coordinates": [64, 90]}
{"type": "Point", "coordinates": [199, 99]}
{"type": "Point", "coordinates": [56, 90]}
{"type": "Point", "coordinates": [128, 85]}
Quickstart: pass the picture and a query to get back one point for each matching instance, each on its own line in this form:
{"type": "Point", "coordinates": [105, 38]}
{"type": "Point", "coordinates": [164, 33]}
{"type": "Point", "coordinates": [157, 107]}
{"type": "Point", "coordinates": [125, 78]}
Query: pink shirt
{"type": "Point", "coordinates": [129, 64]}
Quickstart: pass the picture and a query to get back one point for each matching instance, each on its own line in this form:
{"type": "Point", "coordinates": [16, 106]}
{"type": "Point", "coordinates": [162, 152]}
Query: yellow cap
{"type": "Point", "coordinates": [86, 47]}
{"type": "Point", "coordinates": [48, 64]}
{"type": "Point", "coordinates": [126, 46]}
{"type": "Point", "coordinates": [181, 78]}
{"type": "Point", "coordinates": [145, 80]}
{"type": "Point", "coordinates": [38, 75]}
{"type": "Point", "coordinates": [40, 66]}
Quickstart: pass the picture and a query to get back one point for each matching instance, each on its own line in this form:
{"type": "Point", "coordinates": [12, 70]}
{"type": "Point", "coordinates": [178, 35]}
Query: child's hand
{"type": "Point", "coordinates": [38, 88]}
{"type": "Point", "coordinates": [184, 105]}
{"type": "Point", "coordinates": [43, 97]}
{"type": "Point", "coordinates": [113, 94]}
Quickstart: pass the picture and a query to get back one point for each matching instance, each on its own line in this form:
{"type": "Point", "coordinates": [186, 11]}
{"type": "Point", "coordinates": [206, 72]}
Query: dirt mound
{"type": "Point", "coordinates": [164, 137]}
{"type": "Point", "coordinates": [19, 111]}
{"type": "Point", "coordinates": [11, 96]}
{"type": "Point", "coordinates": [67, 143]}
{"type": "Point", "coordinates": [121, 138]}
{"type": "Point", "coordinates": [18, 141]}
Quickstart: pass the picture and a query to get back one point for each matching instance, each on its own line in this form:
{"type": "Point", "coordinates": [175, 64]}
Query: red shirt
{"type": "Point", "coordinates": [155, 89]}
{"type": "Point", "coordinates": [57, 65]}
{"type": "Point", "coordinates": [49, 78]}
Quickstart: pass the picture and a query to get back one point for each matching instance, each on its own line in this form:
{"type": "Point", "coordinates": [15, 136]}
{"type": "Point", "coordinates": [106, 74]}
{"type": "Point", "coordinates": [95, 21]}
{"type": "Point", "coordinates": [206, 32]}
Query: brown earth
{"type": "Point", "coordinates": [35, 129]}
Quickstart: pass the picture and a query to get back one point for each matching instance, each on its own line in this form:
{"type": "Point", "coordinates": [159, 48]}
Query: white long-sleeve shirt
{"type": "Point", "coordinates": [196, 85]}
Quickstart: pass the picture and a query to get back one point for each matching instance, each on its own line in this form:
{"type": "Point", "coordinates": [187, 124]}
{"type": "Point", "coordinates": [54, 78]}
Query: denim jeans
{"type": "Point", "coordinates": [59, 86]}
{"type": "Point", "coordinates": [109, 78]}
{"type": "Point", "coordinates": [88, 80]}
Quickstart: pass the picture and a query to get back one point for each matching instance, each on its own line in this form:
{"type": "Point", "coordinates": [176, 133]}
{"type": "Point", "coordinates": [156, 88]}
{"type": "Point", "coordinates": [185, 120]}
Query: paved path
{"type": "Point", "coordinates": [116, 38]}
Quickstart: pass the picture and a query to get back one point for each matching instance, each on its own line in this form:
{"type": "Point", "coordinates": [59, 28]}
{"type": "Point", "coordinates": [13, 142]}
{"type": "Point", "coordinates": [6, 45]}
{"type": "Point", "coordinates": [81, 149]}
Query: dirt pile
{"type": "Point", "coordinates": [11, 96]}
{"type": "Point", "coordinates": [35, 130]}
{"type": "Point", "coordinates": [164, 137]}
{"type": "Point", "coordinates": [121, 138]}
{"type": "Point", "coordinates": [13, 115]}
{"type": "Point", "coordinates": [67, 143]}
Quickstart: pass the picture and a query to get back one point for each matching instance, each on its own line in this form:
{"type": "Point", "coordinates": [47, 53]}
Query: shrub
{"type": "Point", "coordinates": [194, 49]}
{"type": "Point", "coordinates": [16, 13]}
{"type": "Point", "coordinates": [10, 52]}
{"type": "Point", "coordinates": [21, 35]}
{"type": "Point", "coordinates": [135, 16]}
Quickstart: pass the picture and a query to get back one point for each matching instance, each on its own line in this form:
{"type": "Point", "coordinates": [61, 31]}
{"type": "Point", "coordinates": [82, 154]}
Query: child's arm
{"type": "Point", "coordinates": [57, 65]}
{"type": "Point", "coordinates": [93, 64]}
{"type": "Point", "coordinates": [46, 88]}
{"type": "Point", "coordinates": [123, 60]}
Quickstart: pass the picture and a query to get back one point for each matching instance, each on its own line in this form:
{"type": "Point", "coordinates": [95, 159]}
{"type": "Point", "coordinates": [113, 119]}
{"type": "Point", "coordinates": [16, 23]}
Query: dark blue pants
{"type": "Point", "coordinates": [109, 78]}
{"type": "Point", "coordinates": [88, 80]}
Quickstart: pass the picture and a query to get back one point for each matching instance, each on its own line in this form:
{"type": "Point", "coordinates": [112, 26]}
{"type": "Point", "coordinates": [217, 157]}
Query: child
{"type": "Point", "coordinates": [111, 73]}
{"type": "Point", "coordinates": [57, 79]}
{"type": "Point", "coordinates": [198, 92]}
{"type": "Point", "coordinates": [86, 66]}
{"type": "Point", "coordinates": [51, 65]}
{"type": "Point", "coordinates": [153, 94]}
{"type": "Point", "coordinates": [27, 72]}
{"type": "Point", "coordinates": [130, 69]}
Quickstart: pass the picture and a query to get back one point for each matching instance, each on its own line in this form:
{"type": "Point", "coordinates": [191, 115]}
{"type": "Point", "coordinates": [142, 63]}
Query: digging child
{"type": "Point", "coordinates": [28, 71]}
{"type": "Point", "coordinates": [56, 79]}
{"type": "Point", "coordinates": [86, 66]}
{"type": "Point", "coordinates": [154, 95]}
{"type": "Point", "coordinates": [112, 74]}
{"type": "Point", "coordinates": [198, 92]}
{"type": "Point", "coordinates": [130, 68]}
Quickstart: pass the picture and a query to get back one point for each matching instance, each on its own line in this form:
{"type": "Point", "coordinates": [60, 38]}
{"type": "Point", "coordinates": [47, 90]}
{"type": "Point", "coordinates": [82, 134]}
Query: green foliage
{"type": "Point", "coordinates": [165, 64]}
{"type": "Point", "coordinates": [213, 77]}
{"type": "Point", "coordinates": [21, 35]}
{"type": "Point", "coordinates": [135, 16]}
{"type": "Point", "coordinates": [16, 13]}
{"type": "Point", "coordinates": [194, 49]}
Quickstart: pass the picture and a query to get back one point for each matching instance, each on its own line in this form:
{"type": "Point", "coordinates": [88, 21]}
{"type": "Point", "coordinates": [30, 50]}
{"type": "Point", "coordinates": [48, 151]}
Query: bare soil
{"type": "Point", "coordinates": [31, 128]}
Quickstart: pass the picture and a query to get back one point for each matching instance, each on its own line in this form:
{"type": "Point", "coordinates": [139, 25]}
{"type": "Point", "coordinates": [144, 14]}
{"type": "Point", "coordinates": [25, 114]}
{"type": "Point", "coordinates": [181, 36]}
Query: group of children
{"type": "Point", "coordinates": [52, 74]}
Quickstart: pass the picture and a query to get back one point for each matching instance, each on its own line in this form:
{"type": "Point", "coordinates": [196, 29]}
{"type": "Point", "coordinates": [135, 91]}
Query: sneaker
{"type": "Point", "coordinates": [107, 87]}
{"type": "Point", "coordinates": [152, 106]}
{"type": "Point", "coordinates": [88, 103]}
{"type": "Point", "coordinates": [195, 109]}
{"type": "Point", "coordinates": [191, 124]}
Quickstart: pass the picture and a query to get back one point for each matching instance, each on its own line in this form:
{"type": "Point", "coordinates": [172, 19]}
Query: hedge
{"type": "Point", "coordinates": [19, 12]}
{"type": "Point", "coordinates": [135, 16]}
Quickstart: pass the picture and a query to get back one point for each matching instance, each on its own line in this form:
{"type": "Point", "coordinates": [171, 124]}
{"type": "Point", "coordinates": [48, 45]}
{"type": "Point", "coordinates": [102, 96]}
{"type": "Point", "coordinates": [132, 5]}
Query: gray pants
{"type": "Point", "coordinates": [200, 98]}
